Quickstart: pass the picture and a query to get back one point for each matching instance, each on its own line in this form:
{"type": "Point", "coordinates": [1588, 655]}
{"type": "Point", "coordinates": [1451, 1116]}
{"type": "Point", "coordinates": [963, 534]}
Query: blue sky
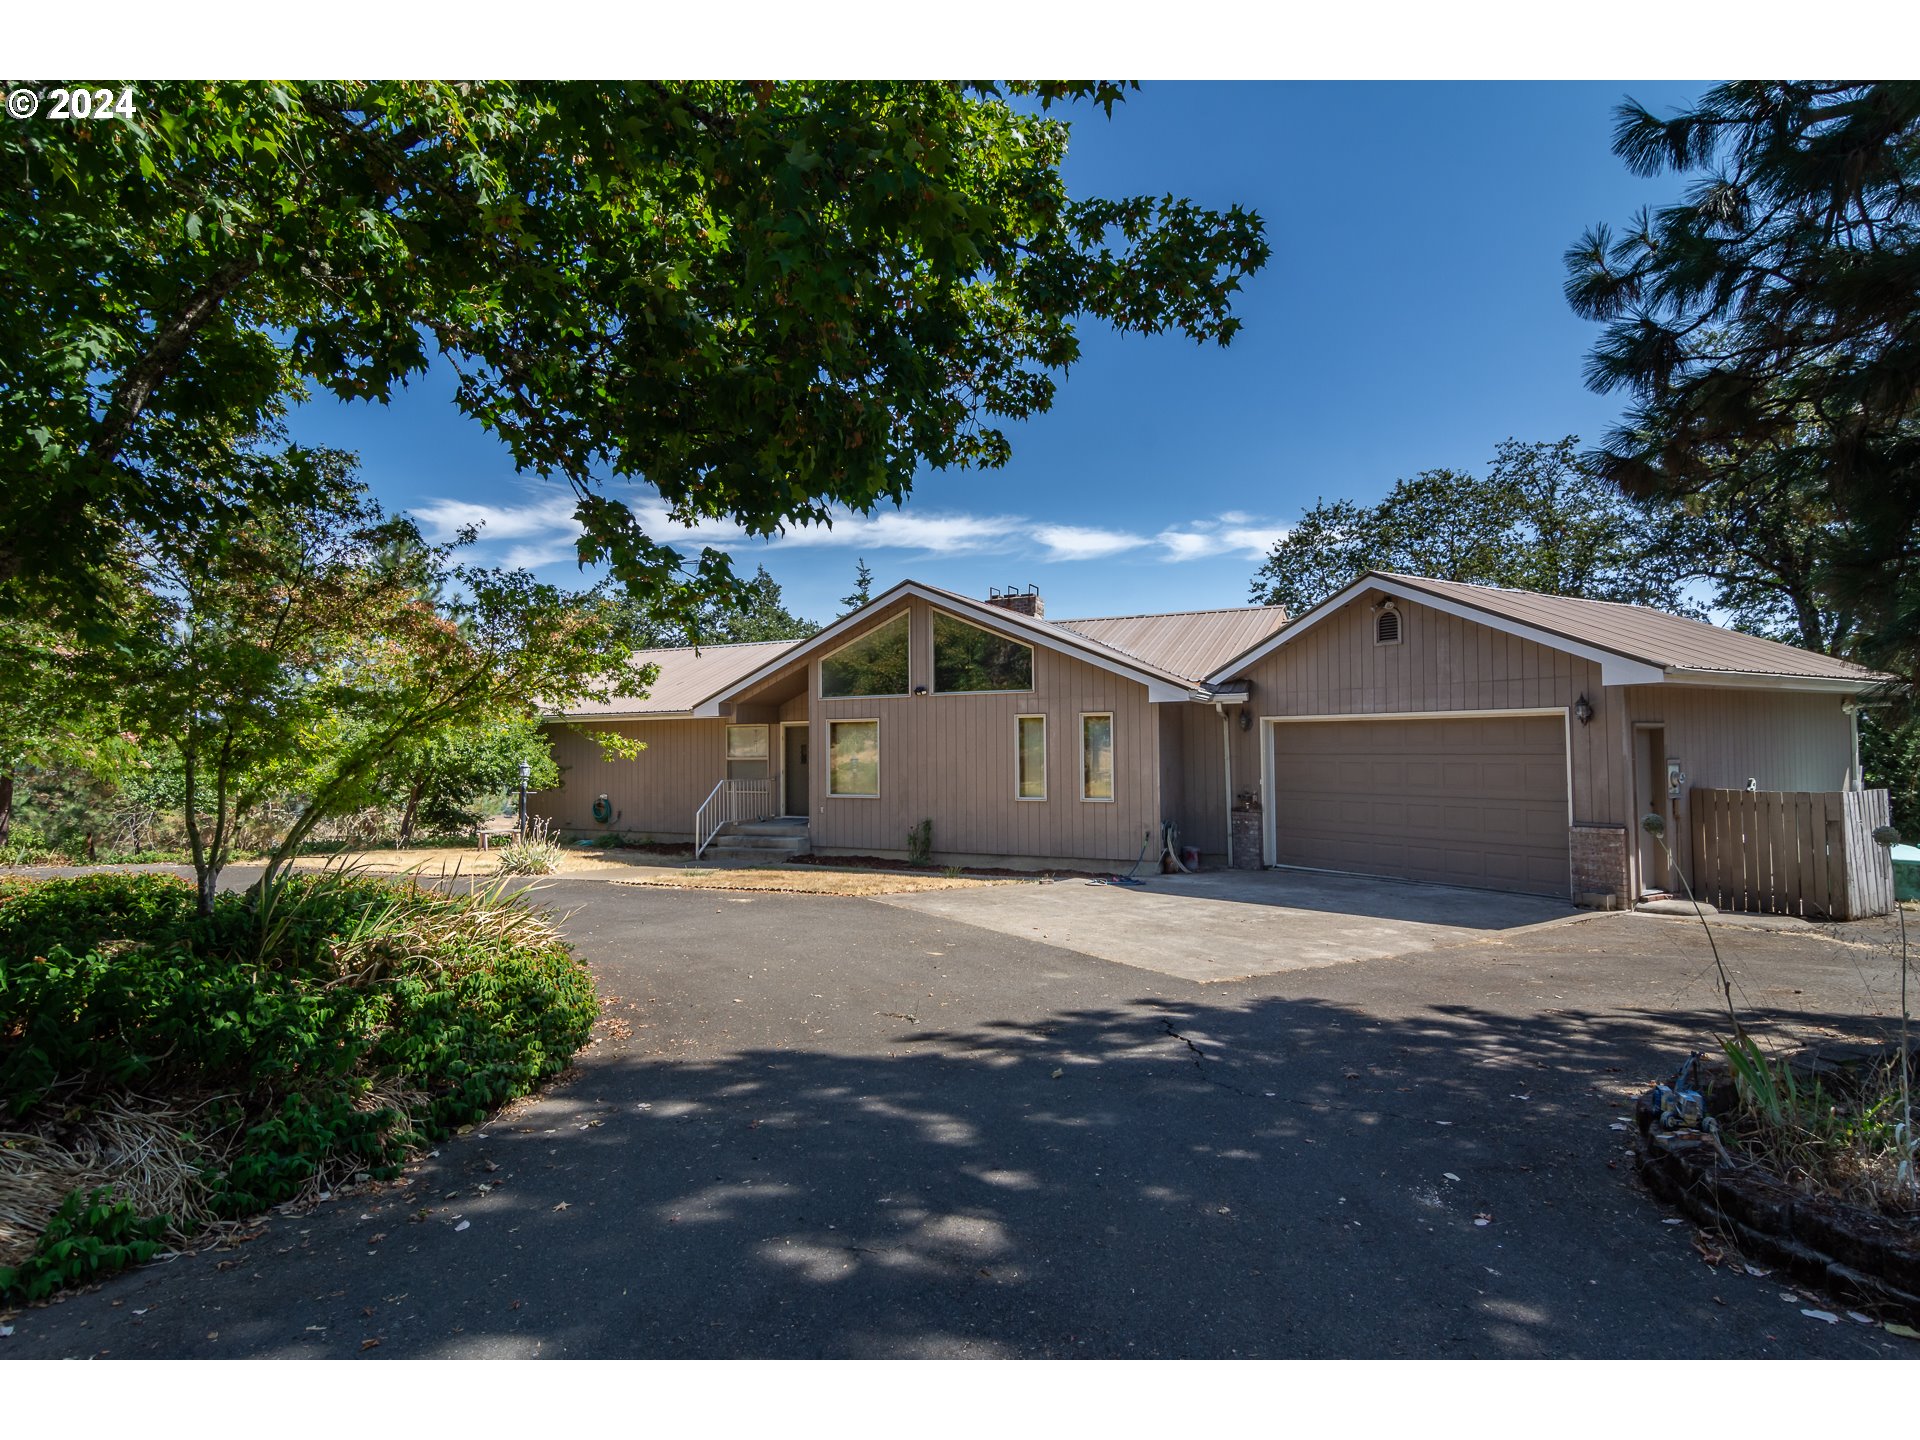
{"type": "Point", "coordinates": [1411, 317]}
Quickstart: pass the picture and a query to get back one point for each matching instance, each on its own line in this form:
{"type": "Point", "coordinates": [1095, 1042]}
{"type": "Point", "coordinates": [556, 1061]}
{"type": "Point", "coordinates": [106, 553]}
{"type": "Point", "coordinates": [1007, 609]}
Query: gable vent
{"type": "Point", "coordinates": [1386, 625]}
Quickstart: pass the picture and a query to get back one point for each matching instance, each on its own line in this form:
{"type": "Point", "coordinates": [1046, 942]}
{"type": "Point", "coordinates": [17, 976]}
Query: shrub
{"type": "Point", "coordinates": [323, 1034]}
{"type": "Point", "coordinates": [535, 853]}
{"type": "Point", "coordinates": [920, 844]}
{"type": "Point", "coordinates": [88, 1238]}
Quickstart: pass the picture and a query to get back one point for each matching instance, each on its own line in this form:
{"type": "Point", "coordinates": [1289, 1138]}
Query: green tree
{"type": "Point", "coordinates": [765, 300]}
{"type": "Point", "coordinates": [1537, 520]}
{"type": "Point", "coordinates": [303, 650]}
{"type": "Point", "coordinates": [51, 718]}
{"type": "Point", "coordinates": [438, 780]}
{"type": "Point", "coordinates": [756, 610]}
{"type": "Point", "coordinates": [862, 594]}
{"type": "Point", "coordinates": [1766, 329]}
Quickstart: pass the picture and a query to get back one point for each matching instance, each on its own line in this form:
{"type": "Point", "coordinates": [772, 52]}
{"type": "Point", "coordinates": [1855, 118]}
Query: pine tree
{"type": "Point", "coordinates": [862, 594]}
{"type": "Point", "coordinates": [1767, 330]}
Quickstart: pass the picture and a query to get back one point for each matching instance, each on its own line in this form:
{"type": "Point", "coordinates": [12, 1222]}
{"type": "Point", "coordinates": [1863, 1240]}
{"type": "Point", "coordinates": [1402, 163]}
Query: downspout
{"type": "Point", "coordinates": [1857, 774]}
{"type": "Point", "coordinates": [1226, 752]}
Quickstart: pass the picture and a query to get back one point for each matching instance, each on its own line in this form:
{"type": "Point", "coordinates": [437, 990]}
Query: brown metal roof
{"type": "Point", "coordinates": [1189, 643]}
{"type": "Point", "coordinates": [1181, 646]}
{"type": "Point", "coordinates": [1672, 642]}
{"type": "Point", "coordinates": [686, 677]}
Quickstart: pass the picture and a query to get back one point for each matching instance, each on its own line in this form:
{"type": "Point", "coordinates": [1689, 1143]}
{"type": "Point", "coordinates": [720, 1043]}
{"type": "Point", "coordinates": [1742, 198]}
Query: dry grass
{"type": "Point", "coordinates": [436, 863]}
{"type": "Point", "coordinates": [640, 868]}
{"type": "Point", "coordinates": [145, 1151]}
{"type": "Point", "coordinates": [809, 881]}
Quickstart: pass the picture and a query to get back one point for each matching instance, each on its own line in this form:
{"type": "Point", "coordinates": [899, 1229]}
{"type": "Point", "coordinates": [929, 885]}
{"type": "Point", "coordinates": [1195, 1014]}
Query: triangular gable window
{"type": "Point", "coordinates": [968, 658]}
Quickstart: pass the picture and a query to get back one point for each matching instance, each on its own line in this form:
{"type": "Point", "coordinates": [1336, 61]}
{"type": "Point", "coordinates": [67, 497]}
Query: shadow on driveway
{"type": "Point", "coordinates": [1278, 1177]}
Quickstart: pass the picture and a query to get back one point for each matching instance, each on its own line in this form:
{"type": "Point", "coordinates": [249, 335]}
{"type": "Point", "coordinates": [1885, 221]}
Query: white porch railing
{"type": "Point", "coordinates": [729, 801]}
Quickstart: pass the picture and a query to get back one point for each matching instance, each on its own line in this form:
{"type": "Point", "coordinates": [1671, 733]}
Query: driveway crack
{"type": "Point", "coordinates": [1201, 1062]}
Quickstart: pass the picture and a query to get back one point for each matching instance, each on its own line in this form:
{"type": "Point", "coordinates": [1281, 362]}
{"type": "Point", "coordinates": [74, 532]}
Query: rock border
{"type": "Point", "coordinates": [1852, 1251]}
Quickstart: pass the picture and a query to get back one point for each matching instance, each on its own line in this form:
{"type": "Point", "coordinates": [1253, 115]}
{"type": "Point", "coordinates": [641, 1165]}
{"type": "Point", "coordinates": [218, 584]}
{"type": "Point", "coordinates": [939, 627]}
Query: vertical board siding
{"type": "Point", "coordinates": [1810, 854]}
{"type": "Point", "coordinates": [655, 794]}
{"type": "Point", "coordinates": [950, 759]}
{"type": "Point", "coordinates": [1443, 662]}
{"type": "Point", "coordinates": [1781, 740]}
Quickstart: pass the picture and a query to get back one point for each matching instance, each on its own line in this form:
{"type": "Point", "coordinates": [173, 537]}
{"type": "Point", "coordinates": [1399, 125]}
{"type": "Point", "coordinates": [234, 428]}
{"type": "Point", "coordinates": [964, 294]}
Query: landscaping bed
{"type": "Point", "coordinates": [819, 881]}
{"type": "Point", "coordinates": [165, 1074]}
{"type": "Point", "coordinates": [1789, 1173]}
{"type": "Point", "coordinates": [884, 862]}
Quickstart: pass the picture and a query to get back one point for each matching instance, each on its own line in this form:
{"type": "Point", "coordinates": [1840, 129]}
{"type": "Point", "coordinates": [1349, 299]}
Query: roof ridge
{"type": "Point", "coordinates": [716, 645]}
{"type": "Point", "coordinates": [1163, 614]}
{"type": "Point", "coordinates": [1554, 595]}
{"type": "Point", "coordinates": [1717, 629]}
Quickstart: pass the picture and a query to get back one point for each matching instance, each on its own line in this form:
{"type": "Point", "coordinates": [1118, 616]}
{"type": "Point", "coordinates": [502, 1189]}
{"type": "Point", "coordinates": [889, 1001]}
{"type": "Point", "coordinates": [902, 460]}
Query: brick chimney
{"type": "Point", "coordinates": [1021, 602]}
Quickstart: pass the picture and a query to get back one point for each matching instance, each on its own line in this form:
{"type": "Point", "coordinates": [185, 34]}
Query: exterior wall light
{"type": "Point", "coordinates": [1583, 710]}
{"type": "Point", "coordinates": [1246, 720]}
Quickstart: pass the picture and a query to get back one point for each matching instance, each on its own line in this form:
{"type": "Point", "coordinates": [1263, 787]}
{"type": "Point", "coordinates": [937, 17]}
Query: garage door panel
{"type": "Point", "coordinates": [1462, 802]}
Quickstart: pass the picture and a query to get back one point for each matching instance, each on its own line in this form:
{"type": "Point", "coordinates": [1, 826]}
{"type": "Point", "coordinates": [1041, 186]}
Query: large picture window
{"type": "Point", "coordinates": [1096, 757]}
{"type": "Point", "coordinates": [854, 758]}
{"type": "Point", "coordinates": [965, 657]}
{"type": "Point", "coordinates": [875, 664]}
{"type": "Point", "coordinates": [1030, 756]}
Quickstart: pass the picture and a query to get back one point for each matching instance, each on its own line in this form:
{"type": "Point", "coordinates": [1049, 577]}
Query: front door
{"type": "Point", "coordinates": [794, 738]}
{"type": "Point", "coordinates": [1650, 793]}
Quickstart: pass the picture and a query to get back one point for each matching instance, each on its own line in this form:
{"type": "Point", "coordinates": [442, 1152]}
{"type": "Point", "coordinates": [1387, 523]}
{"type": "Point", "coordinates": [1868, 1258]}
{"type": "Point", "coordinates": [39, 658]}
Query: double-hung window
{"type": "Point", "coordinates": [1030, 757]}
{"type": "Point", "coordinates": [1096, 757]}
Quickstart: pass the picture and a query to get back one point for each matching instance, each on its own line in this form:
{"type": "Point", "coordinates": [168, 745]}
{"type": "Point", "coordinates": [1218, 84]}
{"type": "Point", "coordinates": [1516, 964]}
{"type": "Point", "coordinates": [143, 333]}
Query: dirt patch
{"type": "Point", "coordinates": [442, 862]}
{"type": "Point", "coordinates": [806, 882]}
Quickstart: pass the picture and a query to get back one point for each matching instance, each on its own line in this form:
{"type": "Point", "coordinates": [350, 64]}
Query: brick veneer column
{"type": "Point", "coordinates": [1599, 858]}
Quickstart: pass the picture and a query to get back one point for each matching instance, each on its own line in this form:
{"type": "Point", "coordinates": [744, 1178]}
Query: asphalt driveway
{"type": "Point", "coordinates": [818, 1126]}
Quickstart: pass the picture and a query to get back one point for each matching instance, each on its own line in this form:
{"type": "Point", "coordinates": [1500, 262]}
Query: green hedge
{"type": "Point", "coordinates": [345, 989]}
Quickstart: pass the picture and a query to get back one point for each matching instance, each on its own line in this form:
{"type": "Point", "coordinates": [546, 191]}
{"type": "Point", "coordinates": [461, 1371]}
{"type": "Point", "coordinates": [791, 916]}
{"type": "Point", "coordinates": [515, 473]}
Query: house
{"type": "Point", "coordinates": [1407, 727]}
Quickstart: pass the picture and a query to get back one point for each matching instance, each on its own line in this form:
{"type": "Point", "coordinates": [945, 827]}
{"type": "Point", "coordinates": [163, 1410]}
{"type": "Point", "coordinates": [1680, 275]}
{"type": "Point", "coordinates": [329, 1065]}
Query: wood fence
{"type": "Point", "coordinates": [1804, 853]}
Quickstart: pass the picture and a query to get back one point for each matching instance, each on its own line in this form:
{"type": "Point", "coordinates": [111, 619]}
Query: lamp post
{"type": "Point", "coordinates": [526, 774]}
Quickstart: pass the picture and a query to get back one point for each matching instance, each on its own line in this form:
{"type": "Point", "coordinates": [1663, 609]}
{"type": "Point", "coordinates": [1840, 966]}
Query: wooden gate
{"type": "Point", "coordinates": [1788, 852]}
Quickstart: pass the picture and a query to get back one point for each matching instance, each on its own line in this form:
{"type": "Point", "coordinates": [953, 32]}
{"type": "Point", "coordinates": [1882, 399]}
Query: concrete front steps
{"type": "Point", "coordinates": [767, 841]}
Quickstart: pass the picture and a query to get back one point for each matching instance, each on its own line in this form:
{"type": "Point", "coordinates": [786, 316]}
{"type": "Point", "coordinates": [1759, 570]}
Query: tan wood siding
{"type": "Point", "coordinates": [951, 759]}
{"type": "Point", "coordinates": [1724, 738]}
{"type": "Point", "coordinates": [655, 794]}
{"type": "Point", "coordinates": [1443, 663]}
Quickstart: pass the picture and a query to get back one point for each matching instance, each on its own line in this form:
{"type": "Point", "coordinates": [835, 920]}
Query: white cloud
{"type": "Point", "coordinates": [1233, 533]}
{"type": "Point", "coordinates": [933, 533]}
{"type": "Point", "coordinates": [1081, 542]}
{"type": "Point", "coordinates": [542, 531]}
{"type": "Point", "coordinates": [441, 519]}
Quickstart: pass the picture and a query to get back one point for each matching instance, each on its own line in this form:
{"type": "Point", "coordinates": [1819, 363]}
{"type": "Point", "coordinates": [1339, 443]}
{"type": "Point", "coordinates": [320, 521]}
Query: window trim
{"type": "Point", "coordinates": [873, 720]}
{"type": "Point", "coordinates": [1018, 721]}
{"type": "Point", "coordinates": [820, 661]}
{"type": "Point", "coordinates": [934, 645]}
{"type": "Point", "coordinates": [1107, 715]}
{"type": "Point", "coordinates": [766, 752]}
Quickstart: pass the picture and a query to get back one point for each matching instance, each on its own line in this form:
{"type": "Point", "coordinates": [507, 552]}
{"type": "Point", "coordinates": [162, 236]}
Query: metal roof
{"type": "Point", "coordinates": [1189, 643]}
{"type": "Point", "coordinates": [687, 676]}
{"type": "Point", "coordinates": [1672, 642]}
{"type": "Point", "coordinates": [1633, 645]}
{"type": "Point", "coordinates": [1182, 646]}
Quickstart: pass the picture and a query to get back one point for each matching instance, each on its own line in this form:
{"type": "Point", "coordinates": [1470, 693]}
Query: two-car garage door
{"type": "Point", "coordinates": [1479, 801]}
